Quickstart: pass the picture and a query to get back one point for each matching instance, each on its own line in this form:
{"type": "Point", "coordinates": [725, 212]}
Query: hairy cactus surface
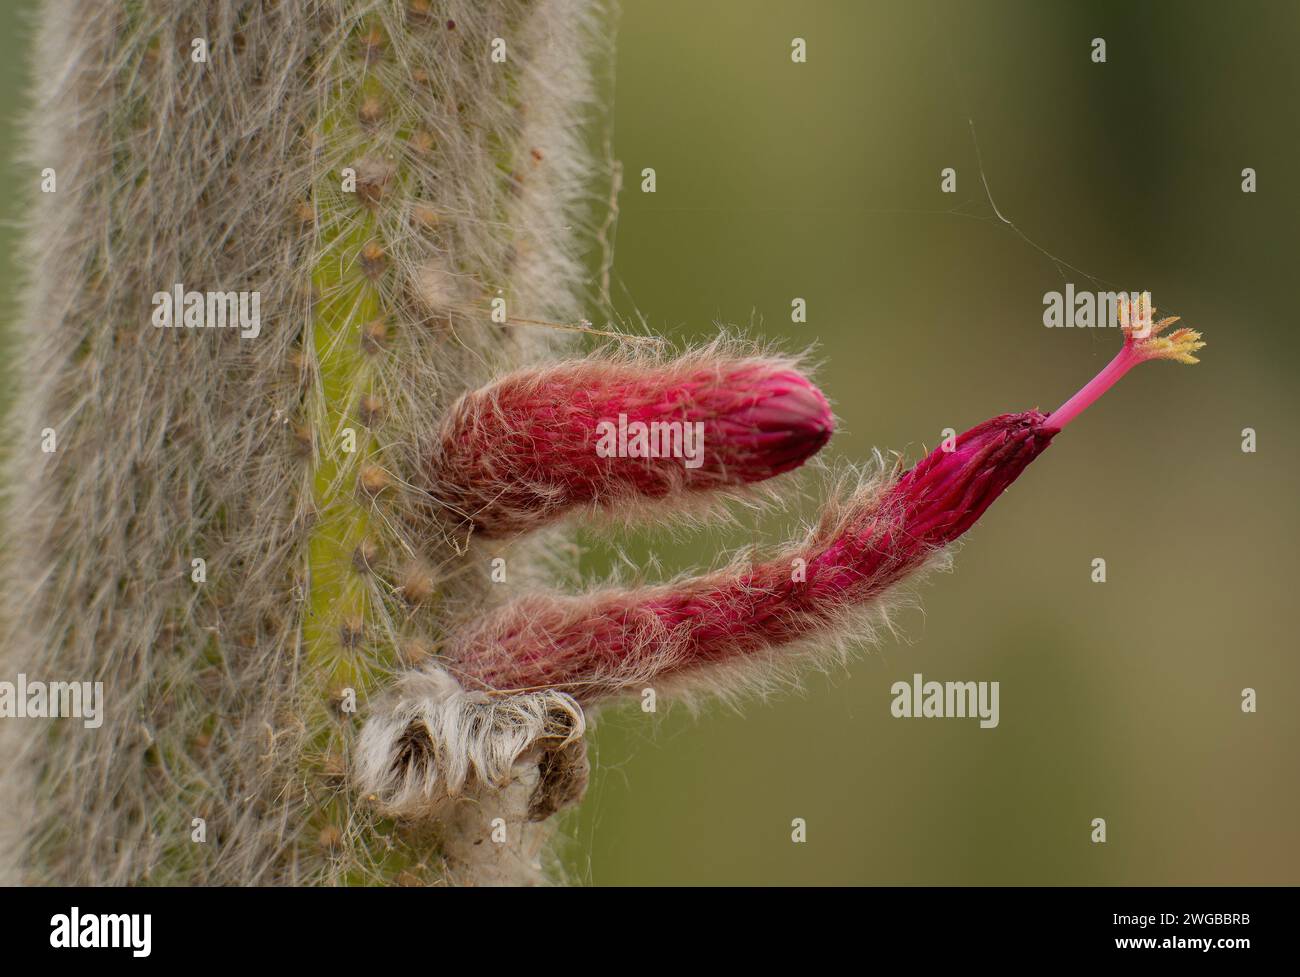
{"type": "Point", "coordinates": [218, 534]}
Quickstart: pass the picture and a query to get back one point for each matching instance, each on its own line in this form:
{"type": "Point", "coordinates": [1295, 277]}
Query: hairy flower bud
{"type": "Point", "coordinates": [607, 434]}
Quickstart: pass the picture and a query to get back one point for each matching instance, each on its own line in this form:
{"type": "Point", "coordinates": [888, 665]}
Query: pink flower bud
{"type": "Point", "coordinates": [603, 434]}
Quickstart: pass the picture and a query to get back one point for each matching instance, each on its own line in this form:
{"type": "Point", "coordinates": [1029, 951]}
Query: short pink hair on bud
{"type": "Point", "coordinates": [615, 641]}
{"type": "Point", "coordinates": [541, 443]}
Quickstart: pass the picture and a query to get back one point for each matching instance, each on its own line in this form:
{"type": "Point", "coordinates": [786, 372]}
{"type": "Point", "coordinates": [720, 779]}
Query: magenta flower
{"type": "Point", "coordinates": [609, 434]}
{"type": "Point", "coordinates": [616, 641]}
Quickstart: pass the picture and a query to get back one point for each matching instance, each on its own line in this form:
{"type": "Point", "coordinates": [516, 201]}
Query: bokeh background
{"type": "Point", "coordinates": [821, 180]}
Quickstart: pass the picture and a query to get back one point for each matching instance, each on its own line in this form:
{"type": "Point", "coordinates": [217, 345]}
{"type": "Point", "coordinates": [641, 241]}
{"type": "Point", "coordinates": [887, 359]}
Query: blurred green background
{"type": "Point", "coordinates": [1119, 700]}
{"type": "Point", "coordinates": [821, 180]}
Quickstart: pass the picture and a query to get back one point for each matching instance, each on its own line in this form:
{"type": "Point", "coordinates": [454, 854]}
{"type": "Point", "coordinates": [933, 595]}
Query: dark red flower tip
{"type": "Point", "coordinates": [779, 421]}
{"type": "Point", "coordinates": [946, 492]}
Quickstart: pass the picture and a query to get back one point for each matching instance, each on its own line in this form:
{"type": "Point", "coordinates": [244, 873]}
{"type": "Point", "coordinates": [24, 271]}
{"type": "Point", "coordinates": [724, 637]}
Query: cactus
{"type": "Point", "coordinates": [275, 546]}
